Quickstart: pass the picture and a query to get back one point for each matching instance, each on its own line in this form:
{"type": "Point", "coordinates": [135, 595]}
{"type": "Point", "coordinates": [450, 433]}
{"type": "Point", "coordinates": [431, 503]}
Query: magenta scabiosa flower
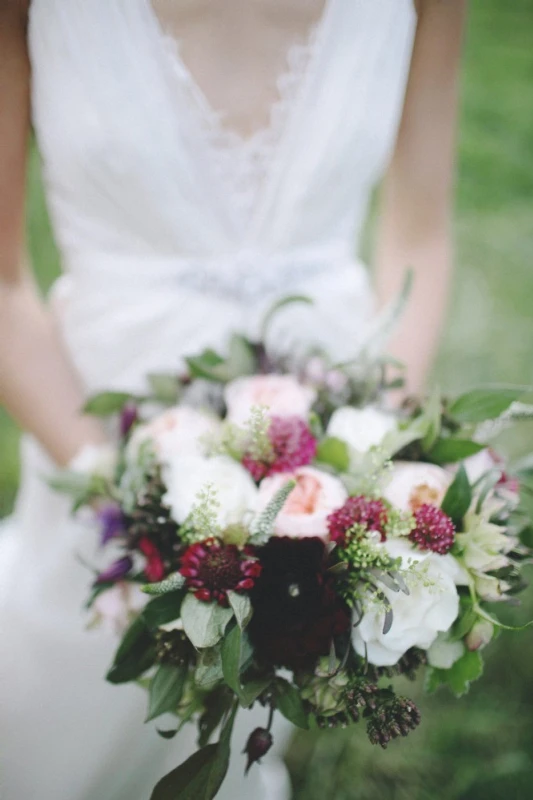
{"type": "Point", "coordinates": [293, 446]}
{"type": "Point", "coordinates": [433, 530]}
{"type": "Point", "coordinates": [371, 514]}
{"type": "Point", "coordinates": [212, 569]}
{"type": "Point", "coordinates": [155, 567]}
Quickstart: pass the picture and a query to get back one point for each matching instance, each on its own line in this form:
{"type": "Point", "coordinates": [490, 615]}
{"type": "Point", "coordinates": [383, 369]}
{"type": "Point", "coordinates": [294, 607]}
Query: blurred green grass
{"type": "Point", "coordinates": [481, 746]}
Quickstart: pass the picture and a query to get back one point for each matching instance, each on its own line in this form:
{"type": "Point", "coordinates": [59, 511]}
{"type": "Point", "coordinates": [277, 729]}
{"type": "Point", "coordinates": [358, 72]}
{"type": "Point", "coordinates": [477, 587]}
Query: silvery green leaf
{"type": "Point", "coordinates": [164, 387]}
{"type": "Point", "coordinates": [387, 622]}
{"type": "Point", "coordinates": [387, 579]}
{"type": "Point", "coordinates": [433, 415]}
{"type": "Point", "coordinates": [263, 526]}
{"type": "Point", "coordinates": [242, 607]}
{"type": "Point", "coordinates": [204, 623]}
{"type": "Point", "coordinates": [171, 584]}
{"type": "Point", "coordinates": [277, 306]}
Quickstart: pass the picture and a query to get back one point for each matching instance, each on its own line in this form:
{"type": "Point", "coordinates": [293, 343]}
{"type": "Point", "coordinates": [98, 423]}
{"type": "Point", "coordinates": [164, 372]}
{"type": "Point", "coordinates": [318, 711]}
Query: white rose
{"type": "Point", "coordinates": [187, 476]}
{"type": "Point", "coordinates": [361, 428]}
{"type": "Point", "coordinates": [306, 509]}
{"type": "Point", "coordinates": [114, 608]}
{"type": "Point", "coordinates": [94, 459]}
{"type": "Point", "coordinates": [177, 431]}
{"type": "Point", "coordinates": [283, 395]}
{"type": "Point", "coordinates": [411, 484]}
{"type": "Point", "coordinates": [418, 617]}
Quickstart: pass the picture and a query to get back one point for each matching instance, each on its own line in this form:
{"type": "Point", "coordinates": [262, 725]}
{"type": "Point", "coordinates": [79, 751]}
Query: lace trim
{"type": "Point", "coordinates": [242, 163]}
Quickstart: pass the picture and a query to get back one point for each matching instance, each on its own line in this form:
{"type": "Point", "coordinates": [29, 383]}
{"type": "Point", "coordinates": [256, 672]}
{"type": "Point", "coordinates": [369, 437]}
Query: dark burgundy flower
{"type": "Point", "coordinates": [128, 417]}
{"type": "Point", "coordinates": [212, 569]}
{"type": "Point", "coordinates": [297, 612]}
{"type": "Point", "coordinates": [293, 446]}
{"type": "Point", "coordinates": [259, 743]}
{"type": "Point", "coordinates": [111, 521]}
{"type": "Point", "coordinates": [116, 571]}
{"type": "Point", "coordinates": [433, 530]}
{"type": "Point", "coordinates": [155, 567]}
{"type": "Point", "coordinates": [371, 514]}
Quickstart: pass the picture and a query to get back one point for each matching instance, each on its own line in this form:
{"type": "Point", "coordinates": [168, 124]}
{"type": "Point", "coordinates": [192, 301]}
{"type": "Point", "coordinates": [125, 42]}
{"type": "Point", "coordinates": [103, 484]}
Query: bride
{"type": "Point", "coordinates": [200, 158]}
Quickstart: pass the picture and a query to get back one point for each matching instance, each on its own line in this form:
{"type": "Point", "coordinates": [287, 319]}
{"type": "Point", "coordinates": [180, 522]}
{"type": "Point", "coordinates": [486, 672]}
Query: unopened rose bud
{"type": "Point", "coordinates": [258, 744]}
{"type": "Point", "coordinates": [128, 418]}
{"type": "Point", "coordinates": [480, 635]}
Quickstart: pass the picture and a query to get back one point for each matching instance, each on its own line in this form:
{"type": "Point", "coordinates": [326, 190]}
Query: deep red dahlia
{"type": "Point", "coordinates": [293, 446]}
{"type": "Point", "coordinates": [212, 569]}
{"type": "Point", "coordinates": [361, 510]}
{"type": "Point", "coordinates": [155, 567]}
{"type": "Point", "coordinates": [434, 530]}
{"type": "Point", "coordinates": [297, 612]}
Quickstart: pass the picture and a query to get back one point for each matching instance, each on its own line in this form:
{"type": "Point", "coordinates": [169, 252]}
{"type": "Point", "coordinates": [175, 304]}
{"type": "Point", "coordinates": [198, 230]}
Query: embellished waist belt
{"type": "Point", "coordinates": [244, 276]}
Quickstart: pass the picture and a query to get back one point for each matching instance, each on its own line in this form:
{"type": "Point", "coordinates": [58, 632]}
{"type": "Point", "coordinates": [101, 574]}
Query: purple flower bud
{"type": "Point", "coordinates": [111, 520]}
{"type": "Point", "coordinates": [116, 571]}
{"type": "Point", "coordinates": [128, 418]}
{"type": "Point", "coordinates": [258, 744]}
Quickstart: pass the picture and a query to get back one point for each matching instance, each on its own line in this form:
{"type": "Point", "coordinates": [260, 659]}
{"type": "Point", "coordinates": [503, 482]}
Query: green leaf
{"type": "Point", "coordinates": [237, 654]}
{"type": "Point", "coordinates": [449, 451]}
{"type": "Point", "coordinates": [251, 690]}
{"type": "Point", "coordinates": [209, 668]}
{"type": "Point", "coordinates": [241, 359]}
{"type": "Point", "coordinates": [162, 610]}
{"type": "Point", "coordinates": [459, 677]}
{"type": "Point", "coordinates": [466, 620]}
{"type": "Point", "coordinates": [135, 654]}
{"type": "Point", "coordinates": [242, 607]}
{"type": "Point", "coordinates": [335, 453]}
{"type": "Point", "coordinates": [209, 365]}
{"type": "Point", "coordinates": [204, 623]}
{"type": "Point", "coordinates": [173, 583]}
{"type": "Point", "coordinates": [231, 658]}
{"type": "Point", "coordinates": [107, 403]}
{"type": "Point", "coordinates": [217, 705]}
{"type": "Point", "coordinates": [479, 405]}
{"type": "Point", "coordinates": [166, 690]}
{"type": "Point", "coordinates": [202, 775]}
{"type": "Point", "coordinates": [289, 702]}
{"type": "Point", "coordinates": [165, 388]}
{"type": "Point", "coordinates": [433, 415]}
{"type": "Point", "coordinates": [277, 306]}
{"type": "Point", "coordinates": [458, 497]}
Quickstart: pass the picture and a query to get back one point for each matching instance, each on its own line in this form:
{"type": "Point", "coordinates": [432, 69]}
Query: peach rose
{"type": "Point", "coordinates": [413, 484]}
{"type": "Point", "coordinates": [306, 509]}
{"type": "Point", "coordinates": [283, 395]}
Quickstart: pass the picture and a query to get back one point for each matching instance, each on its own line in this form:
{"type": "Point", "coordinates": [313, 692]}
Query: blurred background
{"type": "Point", "coordinates": [482, 745]}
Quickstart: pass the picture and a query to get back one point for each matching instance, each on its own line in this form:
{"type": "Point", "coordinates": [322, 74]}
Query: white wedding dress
{"type": "Point", "coordinates": [173, 233]}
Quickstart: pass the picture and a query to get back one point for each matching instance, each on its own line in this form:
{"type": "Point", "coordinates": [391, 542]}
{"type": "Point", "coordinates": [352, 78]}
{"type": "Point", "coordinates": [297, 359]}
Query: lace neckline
{"type": "Point", "coordinates": [242, 163]}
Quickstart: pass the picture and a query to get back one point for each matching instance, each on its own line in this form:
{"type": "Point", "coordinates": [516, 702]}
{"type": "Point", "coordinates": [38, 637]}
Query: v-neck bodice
{"type": "Point", "coordinates": [145, 193]}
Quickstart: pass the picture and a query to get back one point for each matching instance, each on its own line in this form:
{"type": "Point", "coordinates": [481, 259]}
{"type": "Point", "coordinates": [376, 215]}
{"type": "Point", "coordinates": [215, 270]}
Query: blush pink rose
{"type": "Point", "coordinates": [179, 431]}
{"type": "Point", "coordinates": [283, 395]}
{"type": "Point", "coordinates": [308, 506]}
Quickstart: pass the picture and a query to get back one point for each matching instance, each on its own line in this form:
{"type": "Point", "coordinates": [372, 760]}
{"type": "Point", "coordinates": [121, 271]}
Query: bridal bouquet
{"type": "Point", "coordinates": [280, 538]}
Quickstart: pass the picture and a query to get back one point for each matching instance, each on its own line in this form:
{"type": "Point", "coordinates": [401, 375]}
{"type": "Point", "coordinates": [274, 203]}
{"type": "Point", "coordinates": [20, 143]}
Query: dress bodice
{"type": "Point", "coordinates": [137, 177]}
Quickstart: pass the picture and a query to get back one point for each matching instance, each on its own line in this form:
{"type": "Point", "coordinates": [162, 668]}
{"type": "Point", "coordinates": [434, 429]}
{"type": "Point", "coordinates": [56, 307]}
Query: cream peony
{"type": "Point", "coordinates": [177, 431]}
{"type": "Point", "coordinates": [187, 476]}
{"type": "Point", "coordinates": [306, 509]}
{"type": "Point", "coordinates": [361, 428]}
{"type": "Point", "coordinates": [114, 608]}
{"type": "Point", "coordinates": [411, 484]}
{"type": "Point", "coordinates": [283, 395]}
{"type": "Point", "coordinates": [431, 608]}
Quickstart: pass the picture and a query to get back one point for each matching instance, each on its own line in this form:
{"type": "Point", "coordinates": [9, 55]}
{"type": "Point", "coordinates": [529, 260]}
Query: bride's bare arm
{"type": "Point", "coordinates": [37, 385]}
{"type": "Point", "coordinates": [415, 227]}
